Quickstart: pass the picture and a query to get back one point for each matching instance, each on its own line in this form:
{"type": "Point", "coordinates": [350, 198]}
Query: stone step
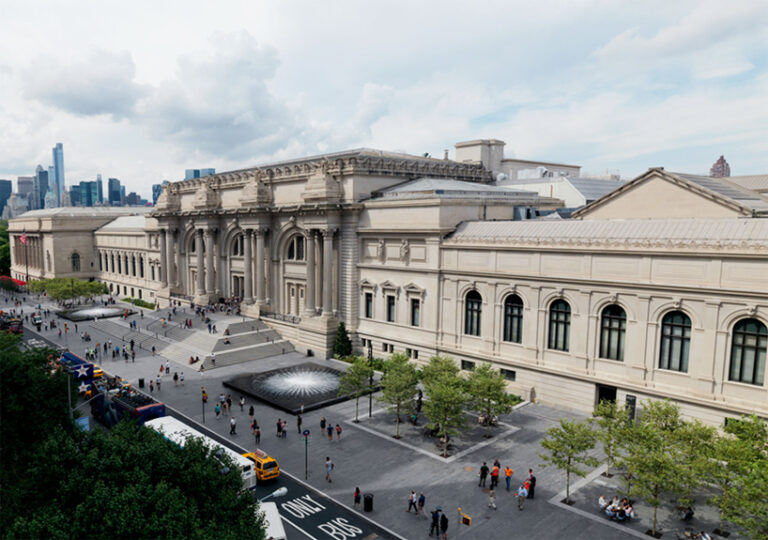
{"type": "Point", "coordinates": [251, 353]}
{"type": "Point", "coordinates": [246, 339]}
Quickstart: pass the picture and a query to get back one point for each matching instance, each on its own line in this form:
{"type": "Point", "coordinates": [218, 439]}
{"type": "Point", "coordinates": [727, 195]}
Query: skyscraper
{"type": "Point", "coordinates": [6, 188]}
{"type": "Point", "coordinates": [75, 196]}
{"type": "Point", "coordinates": [25, 185]}
{"type": "Point", "coordinates": [113, 192]}
{"type": "Point", "coordinates": [157, 189]}
{"type": "Point", "coordinates": [89, 193]}
{"type": "Point", "coordinates": [40, 187]}
{"type": "Point", "coordinates": [58, 166]}
{"type": "Point", "coordinates": [720, 169]}
{"type": "Point", "coordinates": [190, 174]}
{"type": "Point", "coordinates": [52, 185]}
{"type": "Point", "coordinates": [122, 195]}
{"type": "Point", "coordinates": [100, 189]}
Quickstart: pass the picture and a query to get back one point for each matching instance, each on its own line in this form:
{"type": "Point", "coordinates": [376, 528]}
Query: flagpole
{"type": "Point", "coordinates": [26, 260]}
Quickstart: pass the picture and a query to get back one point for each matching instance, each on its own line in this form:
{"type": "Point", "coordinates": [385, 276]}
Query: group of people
{"type": "Point", "coordinates": [525, 491]}
{"type": "Point", "coordinates": [618, 509]}
{"type": "Point", "coordinates": [329, 428]}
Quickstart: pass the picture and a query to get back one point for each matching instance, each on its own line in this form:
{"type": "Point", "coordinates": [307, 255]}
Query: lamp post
{"type": "Point", "coordinates": [277, 493]}
{"type": "Point", "coordinates": [370, 382]}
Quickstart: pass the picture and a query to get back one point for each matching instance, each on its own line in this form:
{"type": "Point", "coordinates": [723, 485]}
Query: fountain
{"type": "Point", "coordinates": [309, 385]}
{"type": "Point", "coordinates": [95, 312]}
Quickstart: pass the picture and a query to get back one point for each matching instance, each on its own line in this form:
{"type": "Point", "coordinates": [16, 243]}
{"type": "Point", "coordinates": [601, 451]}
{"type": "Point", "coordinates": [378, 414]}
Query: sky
{"type": "Point", "coordinates": [142, 90]}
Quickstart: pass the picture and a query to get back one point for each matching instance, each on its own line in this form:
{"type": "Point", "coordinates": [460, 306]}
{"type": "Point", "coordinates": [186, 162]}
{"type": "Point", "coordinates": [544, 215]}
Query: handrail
{"type": "Point", "coordinates": [293, 319]}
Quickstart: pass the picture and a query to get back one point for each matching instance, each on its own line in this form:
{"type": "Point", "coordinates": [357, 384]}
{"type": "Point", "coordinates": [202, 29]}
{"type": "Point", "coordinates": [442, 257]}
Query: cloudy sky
{"type": "Point", "coordinates": [142, 90]}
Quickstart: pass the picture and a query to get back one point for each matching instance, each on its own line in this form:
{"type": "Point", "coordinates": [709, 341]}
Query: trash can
{"type": "Point", "coordinates": [368, 502]}
{"type": "Point", "coordinates": [141, 383]}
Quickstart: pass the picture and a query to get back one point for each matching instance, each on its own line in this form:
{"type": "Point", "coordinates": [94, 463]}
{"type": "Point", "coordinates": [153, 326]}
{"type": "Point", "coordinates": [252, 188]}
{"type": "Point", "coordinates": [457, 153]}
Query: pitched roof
{"type": "Point", "coordinates": [755, 182]}
{"type": "Point", "coordinates": [453, 189]}
{"type": "Point", "coordinates": [85, 211]}
{"type": "Point", "coordinates": [125, 223]}
{"type": "Point", "coordinates": [745, 201]}
{"type": "Point", "coordinates": [593, 188]}
{"type": "Point", "coordinates": [711, 234]}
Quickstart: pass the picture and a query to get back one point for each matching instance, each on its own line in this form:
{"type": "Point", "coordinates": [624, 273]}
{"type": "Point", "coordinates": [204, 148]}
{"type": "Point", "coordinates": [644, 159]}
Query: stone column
{"type": "Point", "coordinates": [260, 296]}
{"type": "Point", "coordinates": [199, 282]}
{"type": "Point", "coordinates": [318, 271]}
{"type": "Point", "coordinates": [248, 265]}
{"type": "Point", "coordinates": [179, 240]}
{"type": "Point", "coordinates": [210, 274]}
{"type": "Point", "coordinates": [309, 297]}
{"type": "Point", "coordinates": [163, 261]}
{"type": "Point", "coordinates": [170, 257]}
{"type": "Point", "coordinates": [327, 273]}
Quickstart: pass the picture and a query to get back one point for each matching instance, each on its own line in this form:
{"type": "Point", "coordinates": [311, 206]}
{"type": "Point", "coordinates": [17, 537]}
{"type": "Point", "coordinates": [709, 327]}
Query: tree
{"type": "Point", "coordinates": [487, 389]}
{"type": "Point", "coordinates": [5, 249]}
{"type": "Point", "coordinates": [398, 386]}
{"type": "Point", "coordinates": [356, 381]}
{"type": "Point", "coordinates": [61, 289]}
{"type": "Point", "coordinates": [343, 345]}
{"type": "Point", "coordinates": [444, 407]}
{"type": "Point", "coordinates": [611, 421]}
{"type": "Point", "coordinates": [439, 367]}
{"type": "Point", "coordinates": [567, 448]}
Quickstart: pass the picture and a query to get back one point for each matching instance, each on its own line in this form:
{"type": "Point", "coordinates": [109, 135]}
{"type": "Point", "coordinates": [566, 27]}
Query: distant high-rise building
{"type": "Point", "coordinates": [157, 189]}
{"type": "Point", "coordinates": [50, 199]}
{"type": "Point", "coordinates": [75, 196]}
{"type": "Point", "coordinates": [190, 174]}
{"type": "Point", "coordinates": [100, 189]}
{"type": "Point", "coordinates": [89, 193]}
{"type": "Point", "coordinates": [720, 169]}
{"type": "Point", "coordinates": [25, 186]}
{"type": "Point", "coordinates": [132, 199]}
{"type": "Point", "coordinates": [6, 188]}
{"type": "Point", "coordinates": [40, 187]}
{"type": "Point", "coordinates": [122, 195]}
{"type": "Point", "coordinates": [113, 192]}
{"type": "Point", "coordinates": [58, 168]}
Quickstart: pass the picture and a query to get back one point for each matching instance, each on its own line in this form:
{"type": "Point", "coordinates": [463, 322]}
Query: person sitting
{"type": "Point", "coordinates": [226, 341]}
{"type": "Point", "coordinates": [602, 503]}
{"type": "Point", "coordinates": [686, 513]}
{"type": "Point", "coordinates": [610, 511]}
{"type": "Point", "coordinates": [628, 510]}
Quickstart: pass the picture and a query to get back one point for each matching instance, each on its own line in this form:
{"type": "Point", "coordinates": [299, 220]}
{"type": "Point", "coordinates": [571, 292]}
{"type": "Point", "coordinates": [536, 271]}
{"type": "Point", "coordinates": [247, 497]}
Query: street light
{"type": "Point", "coordinates": [277, 493]}
{"type": "Point", "coordinates": [370, 382]}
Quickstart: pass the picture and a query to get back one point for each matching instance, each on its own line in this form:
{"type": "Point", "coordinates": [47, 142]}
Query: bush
{"type": "Point", "coordinates": [7, 283]}
{"type": "Point", "coordinates": [138, 302]}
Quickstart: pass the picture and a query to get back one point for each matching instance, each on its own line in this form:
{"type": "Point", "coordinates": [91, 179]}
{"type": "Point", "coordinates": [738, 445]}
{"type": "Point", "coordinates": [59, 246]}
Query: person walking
{"type": "Point", "coordinates": [284, 432]}
{"type": "Point", "coordinates": [522, 493]}
{"type": "Point", "coordinates": [257, 433]}
{"type": "Point", "coordinates": [153, 350]}
{"type": "Point", "coordinates": [204, 394]}
{"type": "Point", "coordinates": [242, 403]}
{"type": "Point", "coordinates": [328, 469]}
{"type": "Point", "coordinates": [232, 426]}
{"type": "Point", "coordinates": [412, 502]}
{"type": "Point", "coordinates": [322, 423]}
{"type": "Point", "coordinates": [213, 359]}
{"type": "Point", "coordinates": [167, 367]}
{"type": "Point", "coordinates": [421, 503]}
{"type": "Point", "coordinates": [250, 413]}
{"type": "Point", "coordinates": [357, 499]}
{"type": "Point", "coordinates": [175, 378]}
{"type": "Point", "coordinates": [508, 474]}
{"type": "Point", "coordinates": [435, 525]}
{"type": "Point", "coordinates": [298, 423]}
{"type": "Point", "coordinates": [158, 382]}
{"type": "Point", "coordinates": [492, 499]}
{"type": "Point", "coordinates": [531, 483]}
{"type": "Point", "coordinates": [151, 386]}
{"type": "Point", "coordinates": [181, 378]}
{"type": "Point", "coordinates": [338, 432]}
{"type": "Point", "coordinates": [217, 410]}
{"type": "Point", "coordinates": [495, 476]}
{"type": "Point", "coordinates": [483, 475]}
{"type": "Point", "coordinates": [279, 426]}
{"type": "Point", "coordinates": [444, 526]}
{"type": "Point", "coordinates": [329, 430]}
{"type": "Point", "coordinates": [229, 403]}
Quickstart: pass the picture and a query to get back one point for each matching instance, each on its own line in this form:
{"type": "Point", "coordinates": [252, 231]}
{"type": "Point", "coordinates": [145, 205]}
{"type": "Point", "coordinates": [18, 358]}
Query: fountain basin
{"type": "Point", "coordinates": [93, 312]}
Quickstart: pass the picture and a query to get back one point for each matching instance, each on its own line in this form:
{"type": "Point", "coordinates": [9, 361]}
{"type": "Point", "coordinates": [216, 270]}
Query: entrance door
{"type": "Point", "coordinates": [606, 393]}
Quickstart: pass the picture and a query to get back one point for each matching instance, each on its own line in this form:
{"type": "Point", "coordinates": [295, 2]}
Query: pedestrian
{"type": "Point", "coordinates": [329, 430]}
{"type": "Point", "coordinates": [421, 503]}
{"type": "Point", "coordinates": [181, 378]}
{"type": "Point", "coordinates": [328, 469]}
{"type": "Point", "coordinates": [483, 475]}
{"type": "Point", "coordinates": [531, 484]}
{"type": "Point", "coordinates": [284, 432]}
{"type": "Point", "coordinates": [435, 525]}
{"type": "Point", "coordinates": [217, 409]}
{"type": "Point", "coordinates": [161, 369]}
{"type": "Point", "coordinates": [508, 474]}
{"type": "Point", "coordinates": [250, 412]}
{"type": "Point", "coordinates": [133, 356]}
{"type": "Point", "coordinates": [495, 476]}
{"type": "Point", "coordinates": [213, 359]}
{"type": "Point", "coordinates": [158, 382]}
{"type": "Point", "coordinates": [492, 499]}
{"type": "Point", "coordinates": [151, 386]}
{"type": "Point", "coordinates": [257, 434]}
{"type": "Point", "coordinates": [167, 367]}
{"type": "Point", "coordinates": [522, 493]}
{"type": "Point", "coordinates": [357, 498]}
{"type": "Point", "coordinates": [175, 378]}
{"type": "Point", "coordinates": [322, 423]}
{"type": "Point", "coordinates": [232, 426]}
{"type": "Point", "coordinates": [204, 394]}
{"type": "Point", "coordinates": [229, 403]}
{"type": "Point", "coordinates": [279, 426]}
{"type": "Point", "coordinates": [242, 403]}
{"type": "Point", "coordinates": [444, 526]}
{"type": "Point", "coordinates": [338, 432]}
{"type": "Point", "coordinates": [298, 423]}
{"type": "Point", "coordinates": [153, 350]}
{"type": "Point", "coordinates": [412, 502]}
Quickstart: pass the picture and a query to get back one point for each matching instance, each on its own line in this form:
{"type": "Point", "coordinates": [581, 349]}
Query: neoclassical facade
{"type": "Point", "coordinates": [657, 289]}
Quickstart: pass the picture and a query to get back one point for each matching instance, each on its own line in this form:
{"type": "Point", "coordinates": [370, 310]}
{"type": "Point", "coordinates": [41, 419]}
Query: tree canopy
{"type": "Point", "coordinates": [60, 289]}
{"type": "Point", "coordinates": [568, 446]}
{"type": "Point", "coordinates": [399, 385]}
{"type": "Point", "coordinates": [356, 381]}
{"type": "Point", "coordinates": [487, 389]}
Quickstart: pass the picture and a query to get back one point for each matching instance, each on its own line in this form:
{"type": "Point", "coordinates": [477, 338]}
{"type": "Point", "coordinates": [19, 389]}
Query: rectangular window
{"type": "Point", "coordinates": [384, 347]}
{"type": "Point", "coordinates": [390, 308]}
{"type": "Point", "coordinates": [509, 374]}
{"type": "Point", "coordinates": [415, 312]}
{"type": "Point", "coordinates": [369, 305]}
{"type": "Point", "coordinates": [466, 365]}
{"type": "Point", "coordinates": [415, 354]}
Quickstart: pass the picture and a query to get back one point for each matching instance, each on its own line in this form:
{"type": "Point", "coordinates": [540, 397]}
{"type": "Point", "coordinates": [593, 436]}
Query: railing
{"type": "Point", "coordinates": [293, 319]}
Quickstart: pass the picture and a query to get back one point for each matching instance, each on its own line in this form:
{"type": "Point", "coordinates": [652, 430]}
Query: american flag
{"type": "Point", "coordinates": [24, 236]}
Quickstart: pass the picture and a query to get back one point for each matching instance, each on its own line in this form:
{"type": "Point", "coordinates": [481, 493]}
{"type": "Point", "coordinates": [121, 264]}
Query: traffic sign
{"type": "Point", "coordinates": [305, 433]}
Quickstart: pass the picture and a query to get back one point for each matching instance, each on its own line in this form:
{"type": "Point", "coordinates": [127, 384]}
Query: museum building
{"type": "Point", "coordinates": [659, 288]}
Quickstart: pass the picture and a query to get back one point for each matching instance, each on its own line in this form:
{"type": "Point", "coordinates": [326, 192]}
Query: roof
{"type": "Point", "coordinates": [125, 223]}
{"type": "Point", "coordinates": [755, 182]}
{"type": "Point", "coordinates": [589, 188]}
{"type": "Point", "coordinates": [725, 192]}
{"type": "Point", "coordinates": [725, 234]}
{"type": "Point", "coordinates": [85, 211]}
{"type": "Point", "coordinates": [446, 188]}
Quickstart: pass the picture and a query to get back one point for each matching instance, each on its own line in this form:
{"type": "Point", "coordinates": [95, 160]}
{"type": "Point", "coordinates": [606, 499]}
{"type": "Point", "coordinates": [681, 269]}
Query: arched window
{"type": "Point", "coordinates": [75, 262]}
{"type": "Point", "coordinates": [141, 266]}
{"type": "Point", "coordinates": [238, 246]}
{"type": "Point", "coordinates": [513, 319]}
{"type": "Point", "coordinates": [675, 341]}
{"type": "Point", "coordinates": [559, 325]}
{"type": "Point", "coordinates": [473, 307]}
{"type": "Point", "coordinates": [748, 350]}
{"type": "Point", "coordinates": [296, 248]}
{"type": "Point", "coordinates": [613, 324]}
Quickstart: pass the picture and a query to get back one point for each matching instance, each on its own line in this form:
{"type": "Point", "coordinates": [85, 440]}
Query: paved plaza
{"type": "Point", "coordinates": [369, 457]}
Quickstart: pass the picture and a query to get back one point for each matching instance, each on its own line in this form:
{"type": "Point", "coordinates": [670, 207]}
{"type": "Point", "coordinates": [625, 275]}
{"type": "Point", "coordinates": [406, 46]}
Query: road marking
{"type": "Point", "coordinates": [305, 533]}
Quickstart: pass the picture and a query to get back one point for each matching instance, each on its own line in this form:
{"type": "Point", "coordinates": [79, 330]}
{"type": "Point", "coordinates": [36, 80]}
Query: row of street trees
{"type": "Point", "coordinates": [660, 456]}
{"type": "Point", "coordinates": [449, 395]}
{"type": "Point", "coordinates": [61, 289]}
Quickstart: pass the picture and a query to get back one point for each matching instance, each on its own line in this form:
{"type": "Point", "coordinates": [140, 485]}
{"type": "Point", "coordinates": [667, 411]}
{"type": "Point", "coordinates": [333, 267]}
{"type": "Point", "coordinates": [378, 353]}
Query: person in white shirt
{"type": "Point", "coordinates": [602, 502]}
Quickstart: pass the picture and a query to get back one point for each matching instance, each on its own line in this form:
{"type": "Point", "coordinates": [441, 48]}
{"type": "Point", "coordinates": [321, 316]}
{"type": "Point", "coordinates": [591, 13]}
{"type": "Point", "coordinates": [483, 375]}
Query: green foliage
{"type": "Point", "coordinates": [446, 397]}
{"type": "Point", "coordinates": [439, 367]}
{"type": "Point", "coordinates": [356, 381]}
{"type": "Point", "coordinates": [129, 482]}
{"type": "Point", "coordinates": [5, 249]}
{"type": "Point", "coordinates": [139, 302]}
{"type": "Point", "coordinates": [7, 284]}
{"type": "Point", "coordinates": [568, 447]}
{"type": "Point", "coordinates": [343, 345]}
{"type": "Point", "coordinates": [60, 289]}
{"type": "Point", "coordinates": [487, 389]}
{"type": "Point", "coordinates": [399, 385]}
{"type": "Point", "coordinates": [611, 421]}
{"type": "Point", "coordinates": [378, 363]}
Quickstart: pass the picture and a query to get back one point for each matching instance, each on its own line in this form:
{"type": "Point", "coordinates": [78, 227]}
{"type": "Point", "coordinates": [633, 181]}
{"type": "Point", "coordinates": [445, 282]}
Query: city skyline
{"type": "Point", "coordinates": [604, 85]}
